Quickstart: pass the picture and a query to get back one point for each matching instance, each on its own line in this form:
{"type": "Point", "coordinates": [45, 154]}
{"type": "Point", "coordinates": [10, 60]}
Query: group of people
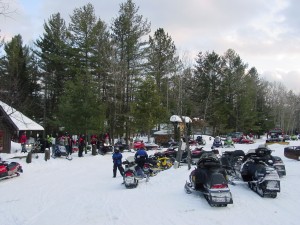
{"type": "Point", "coordinates": [140, 157]}
{"type": "Point", "coordinates": [68, 141]}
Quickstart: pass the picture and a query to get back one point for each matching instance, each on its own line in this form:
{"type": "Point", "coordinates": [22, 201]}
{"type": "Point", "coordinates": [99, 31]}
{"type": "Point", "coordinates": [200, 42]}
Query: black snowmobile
{"type": "Point", "coordinates": [209, 178]}
{"type": "Point", "coordinates": [254, 168]}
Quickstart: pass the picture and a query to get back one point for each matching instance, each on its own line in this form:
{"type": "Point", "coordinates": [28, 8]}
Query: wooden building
{"type": "Point", "coordinates": [12, 123]}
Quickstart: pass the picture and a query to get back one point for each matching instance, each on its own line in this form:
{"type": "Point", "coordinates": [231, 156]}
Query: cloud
{"type": "Point", "coordinates": [266, 34]}
{"type": "Point", "coordinates": [289, 79]}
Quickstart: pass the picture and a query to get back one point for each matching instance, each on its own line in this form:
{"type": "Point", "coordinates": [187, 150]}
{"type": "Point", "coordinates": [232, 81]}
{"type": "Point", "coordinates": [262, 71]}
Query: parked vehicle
{"type": "Point", "coordinates": [133, 173]}
{"type": "Point", "coordinates": [292, 152]}
{"type": "Point", "coordinates": [294, 137]}
{"type": "Point", "coordinates": [105, 148]}
{"type": "Point", "coordinates": [9, 169]}
{"type": "Point", "coordinates": [138, 144]}
{"type": "Point", "coordinates": [195, 155]}
{"type": "Point", "coordinates": [151, 146]}
{"type": "Point", "coordinates": [276, 136]}
{"type": "Point", "coordinates": [217, 142]}
{"type": "Point", "coordinates": [121, 146]}
{"type": "Point", "coordinates": [172, 154]}
{"type": "Point", "coordinates": [256, 168]}
{"type": "Point", "coordinates": [228, 142]}
{"type": "Point", "coordinates": [161, 162]}
{"type": "Point", "coordinates": [209, 178]}
{"type": "Point", "coordinates": [60, 152]}
{"type": "Point", "coordinates": [286, 137]}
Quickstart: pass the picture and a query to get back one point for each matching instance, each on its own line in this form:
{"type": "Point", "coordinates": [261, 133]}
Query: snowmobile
{"type": "Point", "coordinates": [170, 152]}
{"type": "Point", "coordinates": [160, 161]}
{"type": "Point", "coordinates": [195, 155]}
{"type": "Point", "coordinates": [294, 137]}
{"type": "Point", "coordinates": [9, 169]}
{"type": "Point", "coordinates": [274, 161]}
{"type": "Point", "coordinates": [292, 152]}
{"type": "Point", "coordinates": [60, 151]}
{"type": "Point", "coordinates": [232, 160]}
{"type": "Point", "coordinates": [276, 136]}
{"type": "Point", "coordinates": [121, 146]}
{"type": "Point", "coordinates": [133, 173]}
{"type": "Point", "coordinates": [105, 148]}
{"type": "Point", "coordinates": [209, 178]}
{"type": "Point", "coordinates": [228, 142]}
{"type": "Point", "coordinates": [217, 142]}
{"type": "Point", "coordinates": [254, 168]}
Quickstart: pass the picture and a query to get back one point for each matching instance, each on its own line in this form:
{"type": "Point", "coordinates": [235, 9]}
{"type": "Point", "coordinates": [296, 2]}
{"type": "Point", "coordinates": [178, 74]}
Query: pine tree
{"type": "Point", "coordinates": [128, 30]}
{"type": "Point", "coordinates": [147, 112]}
{"type": "Point", "coordinates": [18, 85]}
{"type": "Point", "coordinates": [53, 52]}
{"type": "Point", "coordinates": [162, 61]}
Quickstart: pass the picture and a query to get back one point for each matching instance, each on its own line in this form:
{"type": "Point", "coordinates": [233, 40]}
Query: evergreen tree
{"type": "Point", "coordinates": [161, 60]}
{"type": "Point", "coordinates": [84, 30]}
{"type": "Point", "coordinates": [147, 111]}
{"type": "Point", "coordinates": [128, 30]}
{"type": "Point", "coordinates": [18, 85]}
{"type": "Point", "coordinates": [80, 110]}
{"type": "Point", "coordinates": [206, 88]}
{"type": "Point", "coordinates": [233, 89]}
{"type": "Point", "coordinates": [53, 52]}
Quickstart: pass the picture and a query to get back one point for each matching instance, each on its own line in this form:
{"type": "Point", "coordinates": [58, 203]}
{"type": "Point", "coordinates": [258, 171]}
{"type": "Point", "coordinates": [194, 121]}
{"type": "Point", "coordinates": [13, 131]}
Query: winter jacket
{"type": "Point", "coordinates": [117, 158]}
{"type": "Point", "coordinates": [141, 153]}
{"type": "Point", "coordinates": [81, 141]}
{"type": "Point", "coordinates": [23, 139]}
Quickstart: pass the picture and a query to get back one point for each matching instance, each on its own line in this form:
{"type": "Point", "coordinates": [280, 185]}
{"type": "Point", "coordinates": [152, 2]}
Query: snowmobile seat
{"type": "Point", "coordinates": [199, 176]}
{"type": "Point", "coordinates": [238, 153]}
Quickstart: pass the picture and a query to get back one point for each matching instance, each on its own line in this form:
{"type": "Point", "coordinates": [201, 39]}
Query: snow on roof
{"type": "Point", "coordinates": [163, 132]}
{"type": "Point", "coordinates": [21, 121]}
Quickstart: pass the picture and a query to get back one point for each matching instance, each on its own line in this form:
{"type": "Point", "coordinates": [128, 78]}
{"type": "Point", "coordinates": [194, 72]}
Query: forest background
{"type": "Point", "coordinates": [88, 76]}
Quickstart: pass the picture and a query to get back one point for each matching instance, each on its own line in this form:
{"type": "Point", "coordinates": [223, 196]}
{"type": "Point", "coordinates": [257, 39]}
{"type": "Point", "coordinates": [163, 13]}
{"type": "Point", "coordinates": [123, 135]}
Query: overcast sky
{"type": "Point", "coordinates": [265, 33]}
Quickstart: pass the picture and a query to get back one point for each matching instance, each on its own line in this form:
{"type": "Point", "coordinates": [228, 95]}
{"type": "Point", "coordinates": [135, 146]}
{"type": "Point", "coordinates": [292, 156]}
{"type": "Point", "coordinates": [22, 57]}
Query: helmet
{"type": "Point", "coordinates": [116, 149]}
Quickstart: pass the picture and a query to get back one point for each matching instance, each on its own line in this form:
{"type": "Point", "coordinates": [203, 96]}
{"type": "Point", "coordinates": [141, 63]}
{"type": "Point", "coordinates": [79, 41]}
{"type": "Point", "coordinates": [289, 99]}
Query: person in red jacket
{"type": "Point", "coordinates": [23, 140]}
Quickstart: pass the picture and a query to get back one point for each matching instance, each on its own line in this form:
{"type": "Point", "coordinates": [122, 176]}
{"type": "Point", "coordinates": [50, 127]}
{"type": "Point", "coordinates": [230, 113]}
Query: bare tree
{"type": "Point", "coordinates": [4, 8]}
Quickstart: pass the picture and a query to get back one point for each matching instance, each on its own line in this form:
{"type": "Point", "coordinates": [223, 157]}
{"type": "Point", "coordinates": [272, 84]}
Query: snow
{"type": "Point", "coordinates": [21, 121]}
{"type": "Point", "coordinates": [83, 192]}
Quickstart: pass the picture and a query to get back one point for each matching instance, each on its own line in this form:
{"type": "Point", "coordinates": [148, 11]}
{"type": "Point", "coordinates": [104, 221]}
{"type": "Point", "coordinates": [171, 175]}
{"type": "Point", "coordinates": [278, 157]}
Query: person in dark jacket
{"type": "Point", "coordinates": [141, 157]}
{"type": "Point", "coordinates": [117, 160]}
{"type": "Point", "coordinates": [81, 145]}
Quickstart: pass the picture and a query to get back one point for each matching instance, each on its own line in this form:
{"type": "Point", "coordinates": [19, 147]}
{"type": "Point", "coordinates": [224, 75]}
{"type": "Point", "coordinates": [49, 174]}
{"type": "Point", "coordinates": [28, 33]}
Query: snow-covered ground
{"type": "Point", "coordinates": [83, 192]}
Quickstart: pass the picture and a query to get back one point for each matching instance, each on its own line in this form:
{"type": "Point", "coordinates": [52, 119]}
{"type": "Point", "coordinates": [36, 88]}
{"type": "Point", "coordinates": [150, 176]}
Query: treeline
{"type": "Point", "coordinates": [88, 76]}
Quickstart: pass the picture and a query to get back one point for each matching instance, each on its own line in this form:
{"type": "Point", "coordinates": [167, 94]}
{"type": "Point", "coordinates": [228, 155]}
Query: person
{"type": "Point", "coordinates": [141, 157]}
{"type": "Point", "coordinates": [53, 143]}
{"type": "Point", "coordinates": [117, 161]}
{"type": "Point", "coordinates": [106, 138]}
{"type": "Point", "coordinates": [68, 145]}
{"type": "Point", "coordinates": [23, 140]}
{"type": "Point", "coordinates": [81, 143]}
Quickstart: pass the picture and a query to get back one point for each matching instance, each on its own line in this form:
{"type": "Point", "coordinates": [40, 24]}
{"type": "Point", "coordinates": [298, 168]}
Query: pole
{"type": "Point", "coordinates": [187, 146]}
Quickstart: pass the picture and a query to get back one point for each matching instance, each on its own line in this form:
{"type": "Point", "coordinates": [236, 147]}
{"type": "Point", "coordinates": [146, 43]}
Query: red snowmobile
{"type": "Point", "coordinates": [9, 169]}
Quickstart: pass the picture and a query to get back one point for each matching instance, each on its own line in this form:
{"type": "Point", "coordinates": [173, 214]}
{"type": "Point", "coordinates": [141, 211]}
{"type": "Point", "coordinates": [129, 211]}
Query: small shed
{"type": "Point", "coordinates": [11, 123]}
{"type": "Point", "coordinates": [162, 136]}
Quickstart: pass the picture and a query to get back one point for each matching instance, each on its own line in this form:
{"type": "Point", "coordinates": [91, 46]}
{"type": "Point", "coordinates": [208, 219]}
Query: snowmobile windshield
{"type": "Point", "coordinates": [217, 138]}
